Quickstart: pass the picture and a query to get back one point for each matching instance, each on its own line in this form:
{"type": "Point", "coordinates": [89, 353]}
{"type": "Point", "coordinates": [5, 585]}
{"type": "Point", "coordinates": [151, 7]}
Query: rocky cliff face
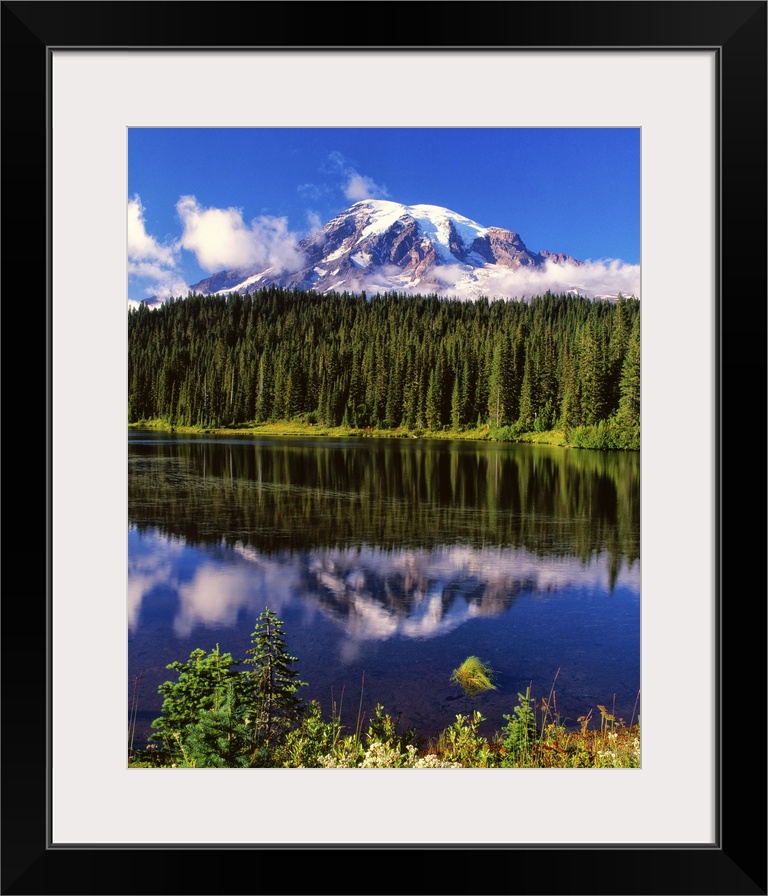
{"type": "Point", "coordinates": [381, 245]}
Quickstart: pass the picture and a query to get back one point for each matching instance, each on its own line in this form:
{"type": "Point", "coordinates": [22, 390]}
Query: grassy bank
{"type": "Point", "coordinates": [279, 428]}
{"type": "Point", "coordinates": [532, 737]}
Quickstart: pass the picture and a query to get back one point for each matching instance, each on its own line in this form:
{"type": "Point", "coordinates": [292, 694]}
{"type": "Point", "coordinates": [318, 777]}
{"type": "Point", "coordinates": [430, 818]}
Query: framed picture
{"type": "Point", "coordinates": [693, 81]}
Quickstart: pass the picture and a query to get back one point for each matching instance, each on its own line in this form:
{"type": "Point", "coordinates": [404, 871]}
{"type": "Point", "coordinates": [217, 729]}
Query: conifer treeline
{"type": "Point", "coordinates": [421, 362]}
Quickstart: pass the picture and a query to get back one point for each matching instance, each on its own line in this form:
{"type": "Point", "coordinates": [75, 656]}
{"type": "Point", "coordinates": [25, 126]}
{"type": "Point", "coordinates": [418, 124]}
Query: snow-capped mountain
{"type": "Point", "coordinates": [377, 245]}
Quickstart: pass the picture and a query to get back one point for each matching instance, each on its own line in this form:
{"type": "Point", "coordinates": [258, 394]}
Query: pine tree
{"type": "Point", "coordinates": [434, 400]}
{"type": "Point", "coordinates": [201, 682]}
{"type": "Point", "coordinates": [629, 385]}
{"type": "Point", "coordinates": [501, 383]}
{"type": "Point", "coordinates": [456, 410]}
{"type": "Point", "coordinates": [222, 737]}
{"type": "Point", "coordinates": [592, 373]}
{"type": "Point", "coordinates": [527, 389]}
{"type": "Point", "coordinates": [274, 704]}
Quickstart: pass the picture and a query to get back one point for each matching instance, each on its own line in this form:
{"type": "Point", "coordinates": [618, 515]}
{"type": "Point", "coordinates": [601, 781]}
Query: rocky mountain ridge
{"type": "Point", "coordinates": [379, 245]}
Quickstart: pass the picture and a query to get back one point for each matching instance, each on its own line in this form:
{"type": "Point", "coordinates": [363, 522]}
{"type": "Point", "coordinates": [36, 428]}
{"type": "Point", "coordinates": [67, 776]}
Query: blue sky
{"type": "Point", "coordinates": [202, 200]}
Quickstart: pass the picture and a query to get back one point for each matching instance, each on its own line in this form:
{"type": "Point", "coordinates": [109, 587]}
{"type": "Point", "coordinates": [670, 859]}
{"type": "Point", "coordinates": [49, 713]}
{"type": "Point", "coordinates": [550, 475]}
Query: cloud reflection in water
{"type": "Point", "coordinates": [369, 593]}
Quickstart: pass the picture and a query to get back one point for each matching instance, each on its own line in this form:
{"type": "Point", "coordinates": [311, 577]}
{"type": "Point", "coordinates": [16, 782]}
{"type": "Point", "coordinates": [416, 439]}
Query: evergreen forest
{"type": "Point", "coordinates": [416, 363]}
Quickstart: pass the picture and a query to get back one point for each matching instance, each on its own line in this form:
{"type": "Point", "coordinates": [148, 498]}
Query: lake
{"type": "Point", "coordinates": [390, 561]}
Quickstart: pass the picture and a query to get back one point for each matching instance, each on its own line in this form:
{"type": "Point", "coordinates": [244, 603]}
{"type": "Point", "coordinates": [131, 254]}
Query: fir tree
{"type": "Point", "coordinates": [629, 385]}
{"type": "Point", "coordinates": [274, 703]}
{"type": "Point", "coordinates": [199, 688]}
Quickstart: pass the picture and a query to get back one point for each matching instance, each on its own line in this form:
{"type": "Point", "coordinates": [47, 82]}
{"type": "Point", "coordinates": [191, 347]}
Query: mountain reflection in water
{"type": "Point", "coordinates": [390, 563]}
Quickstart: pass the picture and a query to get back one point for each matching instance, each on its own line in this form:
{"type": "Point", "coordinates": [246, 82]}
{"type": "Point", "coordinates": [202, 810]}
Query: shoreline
{"type": "Point", "coordinates": [604, 436]}
{"type": "Point", "coordinates": [283, 428]}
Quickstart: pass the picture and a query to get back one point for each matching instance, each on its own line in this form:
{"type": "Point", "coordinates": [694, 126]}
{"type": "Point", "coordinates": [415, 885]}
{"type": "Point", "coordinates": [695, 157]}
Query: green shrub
{"type": "Point", "coordinates": [312, 739]}
{"type": "Point", "coordinates": [383, 728]}
{"type": "Point", "coordinates": [606, 435]}
{"type": "Point", "coordinates": [462, 743]}
{"type": "Point", "coordinates": [520, 733]}
{"type": "Point", "coordinates": [198, 690]}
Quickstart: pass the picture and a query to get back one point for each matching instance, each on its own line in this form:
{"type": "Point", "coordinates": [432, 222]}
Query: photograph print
{"type": "Point", "coordinates": [383, 448]}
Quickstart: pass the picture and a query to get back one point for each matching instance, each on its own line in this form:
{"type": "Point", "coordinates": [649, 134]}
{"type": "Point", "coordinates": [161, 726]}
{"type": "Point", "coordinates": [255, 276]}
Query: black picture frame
{"type": "Point", "coordinates": [736, 862]}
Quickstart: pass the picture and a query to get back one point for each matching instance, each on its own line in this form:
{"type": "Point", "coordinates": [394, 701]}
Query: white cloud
{"type": "Point", "coordinates": [141, 246]}
{"type": "Point", "coordinates": [161, 282]}
{"type": "Point", "coordinates": [592, 278]}
{"type": "Point", "coordinates": [359, 187]}
{"type": "Point", "coordinates": [221, 240]}
{"type": "Point", "coordinates": [314, 222]}
{"type": "Point", "coordinates": [356, 186]}
{"type": "Point", "coordinates": [154, 263]}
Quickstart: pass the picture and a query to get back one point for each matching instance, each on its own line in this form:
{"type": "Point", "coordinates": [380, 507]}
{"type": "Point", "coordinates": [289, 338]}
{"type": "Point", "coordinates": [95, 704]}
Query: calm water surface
{"type": "Point", "coordinates": [390, 562]}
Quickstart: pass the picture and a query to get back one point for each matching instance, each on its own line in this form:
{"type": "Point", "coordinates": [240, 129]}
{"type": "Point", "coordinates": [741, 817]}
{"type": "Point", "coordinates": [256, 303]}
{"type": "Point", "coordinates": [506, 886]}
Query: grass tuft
{"type": "Point", "coordinates": [474, 676]}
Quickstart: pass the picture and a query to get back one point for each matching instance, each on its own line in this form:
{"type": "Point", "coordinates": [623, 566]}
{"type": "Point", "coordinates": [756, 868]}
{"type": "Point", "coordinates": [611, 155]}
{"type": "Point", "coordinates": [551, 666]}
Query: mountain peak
{"type": "Point", "coordinates": [382, 245]}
